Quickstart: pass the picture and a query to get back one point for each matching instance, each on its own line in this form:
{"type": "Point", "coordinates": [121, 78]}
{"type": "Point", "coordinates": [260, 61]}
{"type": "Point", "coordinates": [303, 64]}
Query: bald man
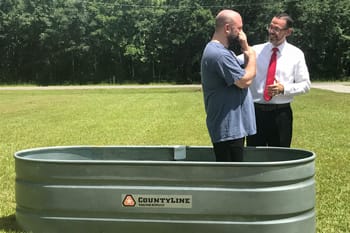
{"type": "Point", "coordinates": [228, 102]}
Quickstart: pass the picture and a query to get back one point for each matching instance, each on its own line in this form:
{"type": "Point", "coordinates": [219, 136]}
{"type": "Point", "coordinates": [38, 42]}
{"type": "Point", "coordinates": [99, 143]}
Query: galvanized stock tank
{"type": "Point", "coordinates": [164, 189]}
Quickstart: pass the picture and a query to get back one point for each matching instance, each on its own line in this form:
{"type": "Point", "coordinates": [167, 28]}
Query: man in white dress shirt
{"type": "Point", "coordinates": [274, 115]}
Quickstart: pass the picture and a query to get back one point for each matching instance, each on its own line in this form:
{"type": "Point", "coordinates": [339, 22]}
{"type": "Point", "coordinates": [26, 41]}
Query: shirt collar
{"type": "Point", "coordinates": [280, 47]}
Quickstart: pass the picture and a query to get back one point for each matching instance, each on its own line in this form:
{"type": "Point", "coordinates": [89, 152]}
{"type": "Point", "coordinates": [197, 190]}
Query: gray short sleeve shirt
{"type": "Point", "coordinates": [230, 109]}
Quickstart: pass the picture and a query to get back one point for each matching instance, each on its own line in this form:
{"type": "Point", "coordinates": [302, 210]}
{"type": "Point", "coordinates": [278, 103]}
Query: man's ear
{"type": "Point", "coordinates": [227, 28]}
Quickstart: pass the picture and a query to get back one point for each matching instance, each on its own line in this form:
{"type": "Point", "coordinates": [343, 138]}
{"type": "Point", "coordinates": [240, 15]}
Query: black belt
{"type": "Point", "coordinates": [271, 107]}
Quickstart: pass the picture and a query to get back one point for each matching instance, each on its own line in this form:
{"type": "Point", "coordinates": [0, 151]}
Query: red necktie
{"type": "Point", "coordinates": [271, 73]}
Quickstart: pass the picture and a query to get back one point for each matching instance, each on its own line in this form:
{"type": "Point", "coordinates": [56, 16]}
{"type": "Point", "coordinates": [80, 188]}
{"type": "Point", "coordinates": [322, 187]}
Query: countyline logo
{"type": "Point", "coordinates": [156, 201]}
{"type": "Point", "coordinates": [129, 201]}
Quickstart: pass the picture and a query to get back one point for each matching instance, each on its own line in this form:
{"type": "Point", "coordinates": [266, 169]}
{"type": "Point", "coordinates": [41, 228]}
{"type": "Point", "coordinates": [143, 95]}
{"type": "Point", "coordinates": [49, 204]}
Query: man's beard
{"type": "Point", "coordinates": [273, 39]}
{"type": "Point", "coordinates": [233, 43]}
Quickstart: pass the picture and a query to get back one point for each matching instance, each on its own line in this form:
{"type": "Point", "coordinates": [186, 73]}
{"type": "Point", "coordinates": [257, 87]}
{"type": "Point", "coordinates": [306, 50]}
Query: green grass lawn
{"type": "Point", "coordinates": [167, 117]}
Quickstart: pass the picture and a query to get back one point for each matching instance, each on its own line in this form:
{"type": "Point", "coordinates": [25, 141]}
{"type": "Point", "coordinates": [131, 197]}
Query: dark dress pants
{"type": "Point", "coordinates": [229, 151]}
{"type": "Point", "coordinates": [274, 126]}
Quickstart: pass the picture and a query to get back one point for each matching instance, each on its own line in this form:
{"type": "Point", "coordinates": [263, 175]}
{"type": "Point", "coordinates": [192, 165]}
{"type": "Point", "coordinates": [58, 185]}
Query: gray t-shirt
{"type": "Point", "coordinates": [230, 109]}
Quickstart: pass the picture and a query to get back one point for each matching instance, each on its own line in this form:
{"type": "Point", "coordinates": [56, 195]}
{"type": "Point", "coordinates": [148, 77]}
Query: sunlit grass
{"type": "Point", "coordinates": [167, 117]}
{"type": "Point", "coordinates": [322, 124]}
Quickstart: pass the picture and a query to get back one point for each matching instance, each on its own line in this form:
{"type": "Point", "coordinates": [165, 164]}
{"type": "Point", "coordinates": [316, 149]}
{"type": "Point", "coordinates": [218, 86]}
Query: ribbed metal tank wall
{"type": "Point", "coordinates": [164, 189]}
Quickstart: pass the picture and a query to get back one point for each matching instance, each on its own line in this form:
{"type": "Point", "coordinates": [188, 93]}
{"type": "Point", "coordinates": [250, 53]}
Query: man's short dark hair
{"type": "Point", "coordinates": [286, 17]}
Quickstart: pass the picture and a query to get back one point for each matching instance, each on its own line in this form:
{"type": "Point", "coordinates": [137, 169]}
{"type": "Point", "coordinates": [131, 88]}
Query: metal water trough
{"type": "Point", "coordinates": [164, 189]}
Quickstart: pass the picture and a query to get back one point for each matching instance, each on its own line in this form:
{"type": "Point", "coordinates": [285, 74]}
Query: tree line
{"type": "Point", "coordinates": [144, 41]}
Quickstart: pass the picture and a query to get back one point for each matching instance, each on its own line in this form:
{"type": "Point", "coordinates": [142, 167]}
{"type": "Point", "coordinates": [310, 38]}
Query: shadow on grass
{"type": "Point", "coordinates": [9, 224]}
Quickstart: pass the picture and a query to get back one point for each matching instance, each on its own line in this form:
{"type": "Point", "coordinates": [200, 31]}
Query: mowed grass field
{"type": "Point", "coordinates": [170, 116]}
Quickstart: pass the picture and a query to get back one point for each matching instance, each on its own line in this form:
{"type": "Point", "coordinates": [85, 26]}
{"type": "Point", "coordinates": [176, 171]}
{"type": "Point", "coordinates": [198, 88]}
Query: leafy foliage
{"type": "Point", "coordinates": [94, 41]}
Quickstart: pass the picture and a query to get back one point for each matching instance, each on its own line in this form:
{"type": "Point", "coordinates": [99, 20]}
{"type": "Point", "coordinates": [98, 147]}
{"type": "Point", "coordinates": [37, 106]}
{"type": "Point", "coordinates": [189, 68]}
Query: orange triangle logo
{"type": "Point", "coordinates": [129, 201]}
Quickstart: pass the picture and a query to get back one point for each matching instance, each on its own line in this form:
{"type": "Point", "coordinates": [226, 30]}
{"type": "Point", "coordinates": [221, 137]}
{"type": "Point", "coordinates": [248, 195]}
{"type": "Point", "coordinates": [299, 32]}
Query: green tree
{"type": "Point", "coordinates": [92, 41]}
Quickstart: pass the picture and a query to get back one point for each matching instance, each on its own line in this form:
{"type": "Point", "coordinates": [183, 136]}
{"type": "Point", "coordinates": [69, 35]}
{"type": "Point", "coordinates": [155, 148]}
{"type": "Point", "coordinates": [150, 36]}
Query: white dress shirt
{"type": "Point", "coordinates": [291, 72]}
